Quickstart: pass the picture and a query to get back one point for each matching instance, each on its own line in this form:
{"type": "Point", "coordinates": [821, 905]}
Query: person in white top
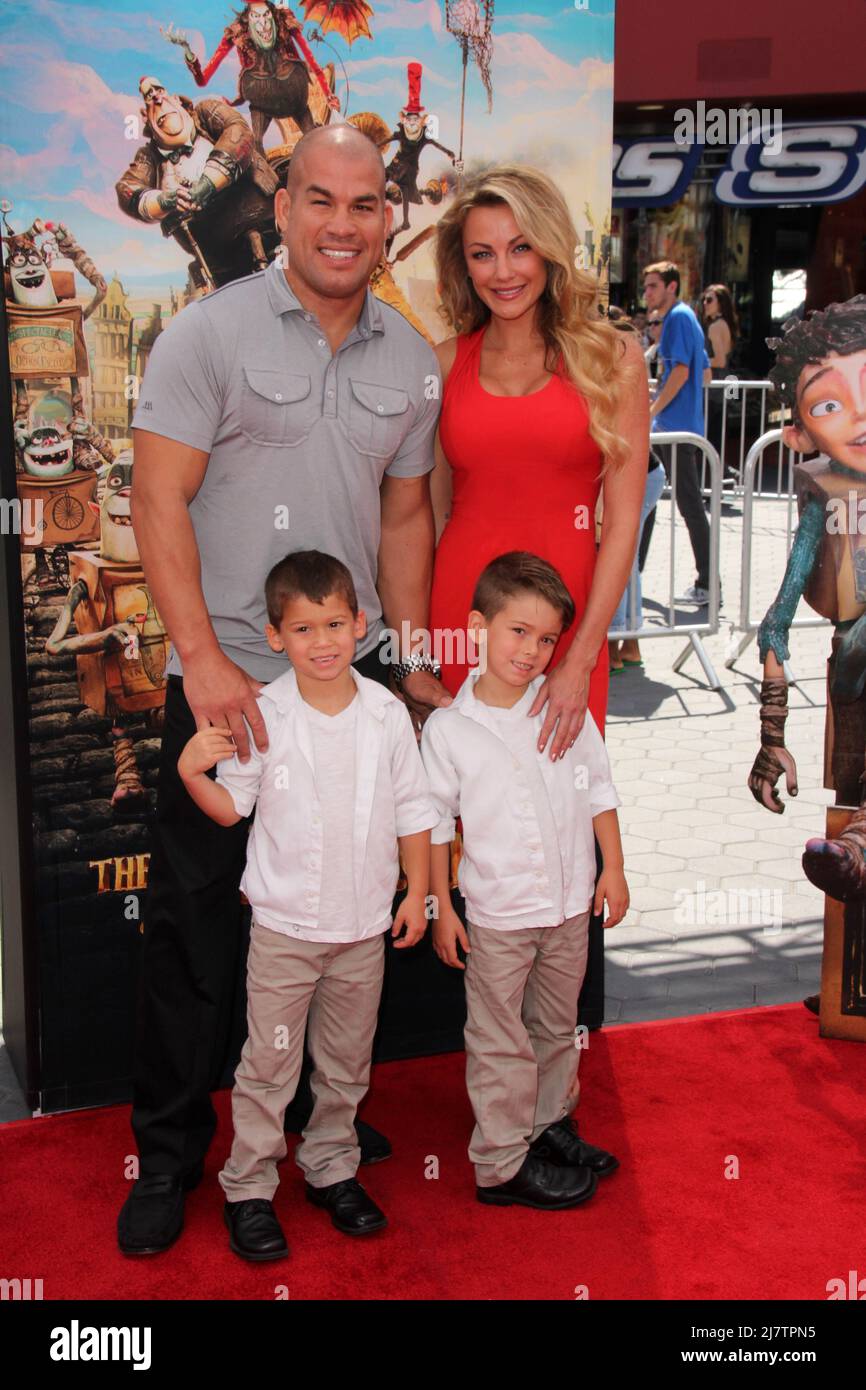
{"type": "Point", "coordinates": [527, 873]}
{"type": "Point", "coordinates": [339, 787]}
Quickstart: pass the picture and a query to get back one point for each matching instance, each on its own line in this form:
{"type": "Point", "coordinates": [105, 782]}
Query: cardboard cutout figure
{"type": "Point", "coordinates": [820, 373]}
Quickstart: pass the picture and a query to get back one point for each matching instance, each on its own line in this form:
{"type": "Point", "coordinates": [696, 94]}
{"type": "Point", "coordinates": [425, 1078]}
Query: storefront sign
{"type": "Point", "coordinates": [813, 162]}
{"type": "Point", "coordinates": [652, 173]}
{"type": "Point", "coordinates": [819, 162]}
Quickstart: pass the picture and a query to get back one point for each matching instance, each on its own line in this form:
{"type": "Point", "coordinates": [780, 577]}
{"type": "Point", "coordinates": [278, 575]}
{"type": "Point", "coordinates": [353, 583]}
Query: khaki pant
{"type": "Point", "coordinates": [521, 1060]}
{"type": "Point", "coordinates": [338, 986]}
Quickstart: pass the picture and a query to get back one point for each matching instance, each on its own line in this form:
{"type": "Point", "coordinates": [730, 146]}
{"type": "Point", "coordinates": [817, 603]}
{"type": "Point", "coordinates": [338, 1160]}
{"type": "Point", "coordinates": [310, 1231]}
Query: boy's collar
{"type": "Point", "coordinates": [468, 703]}
{"type": "Point", "coordinates": [286, 696]}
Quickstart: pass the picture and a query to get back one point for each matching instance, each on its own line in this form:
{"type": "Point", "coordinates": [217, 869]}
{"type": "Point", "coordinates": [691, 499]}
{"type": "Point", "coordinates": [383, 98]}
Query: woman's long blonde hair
{"type": "Point", "coordinates": [568, 313]}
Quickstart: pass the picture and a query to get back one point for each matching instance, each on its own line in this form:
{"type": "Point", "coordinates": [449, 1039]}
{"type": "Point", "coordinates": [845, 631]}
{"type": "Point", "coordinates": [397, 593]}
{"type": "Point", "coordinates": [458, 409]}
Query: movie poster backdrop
{"type": "Point", "coordinates": [140, 149]}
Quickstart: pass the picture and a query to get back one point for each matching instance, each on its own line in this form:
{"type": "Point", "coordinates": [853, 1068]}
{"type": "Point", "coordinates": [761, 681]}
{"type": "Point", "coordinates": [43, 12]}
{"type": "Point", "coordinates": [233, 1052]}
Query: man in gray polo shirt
{"type": "Point", "coordinates": [289, 410]}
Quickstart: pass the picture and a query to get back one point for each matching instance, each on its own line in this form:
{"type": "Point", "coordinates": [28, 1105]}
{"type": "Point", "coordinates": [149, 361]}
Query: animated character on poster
{"type": "Point", "coordinates": [412, 138]}
{"type": "Point", "coordinates": [121, 646]}
{"type": "Point", "coordinates": [55, 460]}
{"type": "Point", "coordinates": [201, 177]}
{"type": "Point", "coordinates": [820, 373]}
{"type": "Point", "coordinates": [277, 65]}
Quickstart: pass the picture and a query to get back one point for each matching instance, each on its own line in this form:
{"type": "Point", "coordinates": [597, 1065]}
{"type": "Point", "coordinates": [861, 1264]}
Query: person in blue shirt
{"type": "Point", "coordinates": [679, 405]}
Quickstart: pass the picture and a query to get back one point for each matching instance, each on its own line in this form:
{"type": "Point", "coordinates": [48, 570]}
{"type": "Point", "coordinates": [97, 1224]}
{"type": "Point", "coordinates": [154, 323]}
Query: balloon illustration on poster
{"type": "Point", "coordinates": [136, 176]}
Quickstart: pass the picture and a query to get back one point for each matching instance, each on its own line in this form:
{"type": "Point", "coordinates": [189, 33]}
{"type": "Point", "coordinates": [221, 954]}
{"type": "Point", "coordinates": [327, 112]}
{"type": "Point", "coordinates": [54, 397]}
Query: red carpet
{"type": "Point", "coordinates": [673, 1099]}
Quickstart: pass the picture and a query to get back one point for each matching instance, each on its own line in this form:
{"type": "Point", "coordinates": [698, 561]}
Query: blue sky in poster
{"type": "Point", "coordinates": [69, 72]}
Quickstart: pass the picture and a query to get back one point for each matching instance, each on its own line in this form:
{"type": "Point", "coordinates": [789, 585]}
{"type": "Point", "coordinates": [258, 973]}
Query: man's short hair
{"type": "Point", "coordinates": [840, 329]}
{"type": "Point", "coordinates": [309, 574]}
{"type": "Point", "coordinates": [668, 272]}
{"type": "Point", "coordinates": [519, 572]}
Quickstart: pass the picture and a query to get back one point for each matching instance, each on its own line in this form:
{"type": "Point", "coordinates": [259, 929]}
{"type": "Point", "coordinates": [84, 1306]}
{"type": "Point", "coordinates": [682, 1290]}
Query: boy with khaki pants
{"type": "Point", "coordinates": [339, 786]}
{"type": "Point", "coordinates": [527, 873]}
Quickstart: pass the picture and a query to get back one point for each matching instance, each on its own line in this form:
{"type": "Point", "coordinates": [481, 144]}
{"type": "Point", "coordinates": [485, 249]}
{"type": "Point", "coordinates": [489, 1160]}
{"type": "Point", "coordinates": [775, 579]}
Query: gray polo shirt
{"type": "Point", "coordinates": [299, 441]}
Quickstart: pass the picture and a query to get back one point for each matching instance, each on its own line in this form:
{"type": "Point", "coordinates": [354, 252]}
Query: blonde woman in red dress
{"type": "Point", "coordinates": [545, 405]}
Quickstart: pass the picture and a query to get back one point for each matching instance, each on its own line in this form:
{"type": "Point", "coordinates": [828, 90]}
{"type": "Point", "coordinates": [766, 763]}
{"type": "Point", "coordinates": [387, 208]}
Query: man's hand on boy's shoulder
{"type": "Point", "coordinates": [204, 750]}
{"type": "Point", "coordinates": [411, 914]}
{"type": "Point", "coordinates": [218, 692]}
{"type": "Point", "coordinates": [448, 933]}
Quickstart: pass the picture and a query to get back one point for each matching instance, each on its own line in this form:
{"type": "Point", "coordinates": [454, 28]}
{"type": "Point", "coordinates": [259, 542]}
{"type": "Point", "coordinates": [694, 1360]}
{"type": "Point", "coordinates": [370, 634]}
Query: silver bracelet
{"type": "Point", "coordinates": [402, 669]}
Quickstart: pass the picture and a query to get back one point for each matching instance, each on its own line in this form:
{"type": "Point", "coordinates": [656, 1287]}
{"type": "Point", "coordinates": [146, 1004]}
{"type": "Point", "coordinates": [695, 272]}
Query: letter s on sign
{"type": "Point", "coordinates": [819, 162]}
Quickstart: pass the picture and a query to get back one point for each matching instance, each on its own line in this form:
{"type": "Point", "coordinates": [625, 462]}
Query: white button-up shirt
{"type": "Point", "coordinates": [283, 875]}
{"type": "Point", "coordinates": [528, 850]}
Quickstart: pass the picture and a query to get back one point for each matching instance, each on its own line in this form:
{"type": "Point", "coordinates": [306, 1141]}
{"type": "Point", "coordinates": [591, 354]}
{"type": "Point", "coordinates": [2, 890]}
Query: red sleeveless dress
{"type": "Point", "coordinates": [521, 466]}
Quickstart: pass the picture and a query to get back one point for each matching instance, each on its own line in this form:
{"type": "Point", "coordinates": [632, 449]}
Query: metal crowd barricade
{"type": "Point", "coordinates": [738, 410]}
{"type": "Point", "coordinates": [708, 626]}
{"type": "Point", "coordinates": [748, 623]}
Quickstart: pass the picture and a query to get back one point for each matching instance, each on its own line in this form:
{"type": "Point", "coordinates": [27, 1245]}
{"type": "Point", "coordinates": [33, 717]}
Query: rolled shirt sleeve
{"type": "Point", "coordinates": [602, 793]}
{"type": "Point", "coordinates": [415, 455]}
{"type": "Point", "coordinates": [181, 396]}
{"type": "Point", "coordinates": [243, 781]}
{"type": "Point", "coordinates": [413, 805]}
{"type": "Point", "coordinates": [443, 781]}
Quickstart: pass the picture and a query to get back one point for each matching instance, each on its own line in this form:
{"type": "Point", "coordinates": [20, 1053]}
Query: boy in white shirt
{"type": "Point", "coordinates": [340, 785]}
{"type": "Point", "coordinates": [527, 873]}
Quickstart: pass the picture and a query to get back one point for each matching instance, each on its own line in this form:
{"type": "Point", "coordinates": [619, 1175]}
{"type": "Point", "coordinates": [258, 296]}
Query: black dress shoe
{"type": "Point", "coordinates": [813, 1003]}
{"type": "Point", "coordinates": [561, 1144]}
{"type": "Point", "coordinates": [254, 1231]}
{"type": "Point", "coordinates": [375, 1148]}
{"type": "Point", "coordinates": [538, 1183]}
{"type": "Point", "coordinates": [352, 1211]}
{"type": "Point", "coordinates": [151, 1218]}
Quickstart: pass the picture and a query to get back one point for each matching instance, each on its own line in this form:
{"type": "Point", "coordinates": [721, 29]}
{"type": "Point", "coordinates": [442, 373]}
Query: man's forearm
{"type": "Point", "coordinates": [679, 375]}
{"type": "Point", "coordinates": [406, 574]}
{"type": "Point", "coordinates": [172, 567]}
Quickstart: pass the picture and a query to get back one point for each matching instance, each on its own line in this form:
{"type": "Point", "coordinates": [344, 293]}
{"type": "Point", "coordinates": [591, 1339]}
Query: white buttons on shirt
{"type": "Point", "coordinates": [380, 407]}
{"type": "Point", "coordinates": [278, 396]}
{"type": "Point", "coordinates": [308, 317]}
{"type": "Point", "coordinates": [321, 342]}
{"type": "Point", "coordinates": [330, 393]}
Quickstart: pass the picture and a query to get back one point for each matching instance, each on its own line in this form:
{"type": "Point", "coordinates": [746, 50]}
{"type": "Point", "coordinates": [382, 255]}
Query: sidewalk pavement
{"type": "Point", "coordinates": [722, 916]}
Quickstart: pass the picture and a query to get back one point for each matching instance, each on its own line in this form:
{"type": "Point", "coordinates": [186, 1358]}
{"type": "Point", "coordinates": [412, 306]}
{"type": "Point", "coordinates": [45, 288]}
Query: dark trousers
{"type": "Point", "coordinates": [690, 504]}
{"type": "Point", "coordinates": [191, 958]}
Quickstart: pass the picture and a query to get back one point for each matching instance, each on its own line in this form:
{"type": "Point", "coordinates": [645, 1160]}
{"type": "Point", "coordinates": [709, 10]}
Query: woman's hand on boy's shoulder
{"type": "Point", "coordinates": [204, 750]}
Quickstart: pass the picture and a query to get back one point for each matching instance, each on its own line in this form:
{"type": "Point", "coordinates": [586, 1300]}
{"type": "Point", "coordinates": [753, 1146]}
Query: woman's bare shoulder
{"type": "Point", "coordinates": [631, 361]}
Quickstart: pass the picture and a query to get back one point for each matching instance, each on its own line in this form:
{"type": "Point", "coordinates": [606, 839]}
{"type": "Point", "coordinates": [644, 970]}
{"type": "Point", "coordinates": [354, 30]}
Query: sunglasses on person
{"type": "Point", "coordinates": [654, 323]}
{"type": "Point", "coordinates": [708, 298]}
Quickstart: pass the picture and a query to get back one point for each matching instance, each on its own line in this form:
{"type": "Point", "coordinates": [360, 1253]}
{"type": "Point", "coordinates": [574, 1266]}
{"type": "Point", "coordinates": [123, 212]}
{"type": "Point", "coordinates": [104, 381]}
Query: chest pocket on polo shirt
{"type": "Point", "coordinates": [276, 407]}
{"type": "Point", "coordinates": [376, 419]}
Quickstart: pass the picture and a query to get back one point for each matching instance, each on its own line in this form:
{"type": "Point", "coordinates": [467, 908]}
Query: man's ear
{"type": "Point", "coordinates": [796, 438]}
{"type": "Point", "coordinates": [282, 206]}
{"type": "Point", "coordinates": [389, 218]}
